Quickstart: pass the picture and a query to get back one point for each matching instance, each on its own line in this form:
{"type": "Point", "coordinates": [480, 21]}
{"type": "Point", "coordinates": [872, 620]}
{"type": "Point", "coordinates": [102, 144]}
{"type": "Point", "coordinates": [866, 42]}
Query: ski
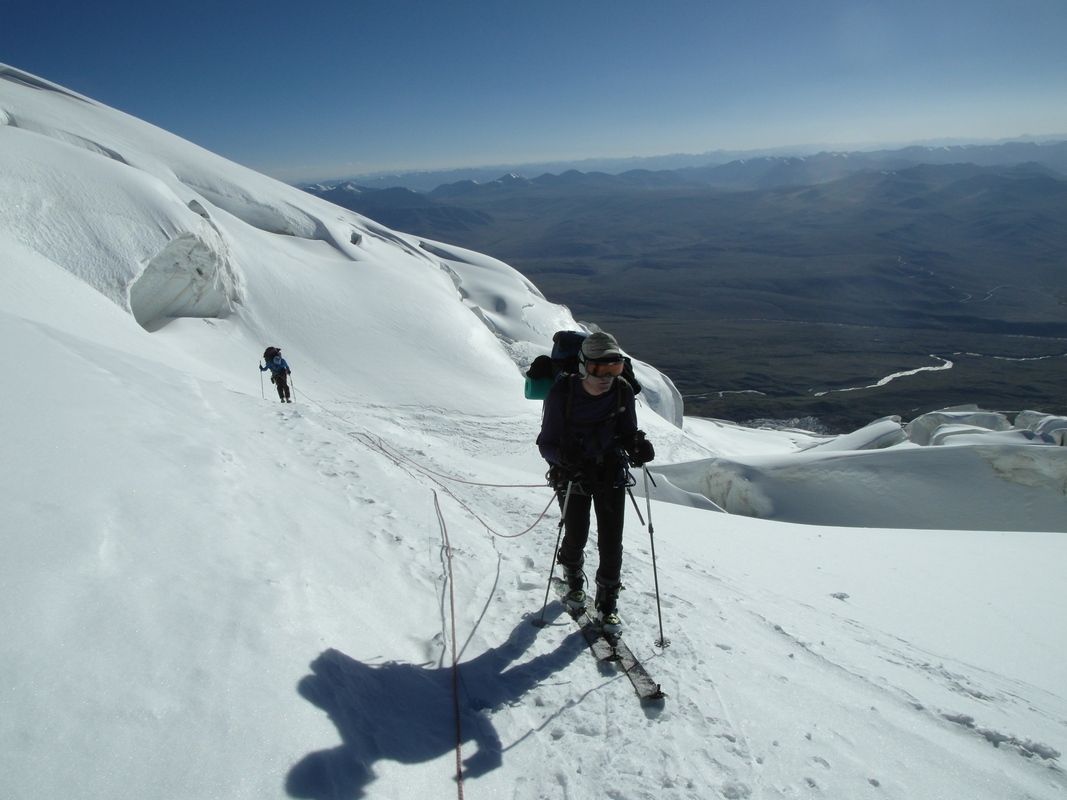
{"type": "Point", "coordinates": [611, 649]}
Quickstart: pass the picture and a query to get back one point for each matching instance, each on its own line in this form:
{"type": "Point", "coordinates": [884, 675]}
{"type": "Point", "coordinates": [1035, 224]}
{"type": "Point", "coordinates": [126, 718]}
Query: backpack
{"type": "Point", "coordinates": [270, 353]}
{"type": "Point", "coordinates": [566, 347]}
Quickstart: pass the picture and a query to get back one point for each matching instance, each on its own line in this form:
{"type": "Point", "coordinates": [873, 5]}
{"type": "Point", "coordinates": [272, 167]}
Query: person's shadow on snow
{"type": "Point", "coordinates": [406, 712]}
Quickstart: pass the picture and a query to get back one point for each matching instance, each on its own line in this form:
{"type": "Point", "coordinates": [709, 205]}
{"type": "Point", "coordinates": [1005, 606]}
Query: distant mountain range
{"type": "Point", "coordinates": [695, 167]}
{"type": "Point", "coordinates": [400, 207]}
{"type": "Point", "coordinates": [861, 263]}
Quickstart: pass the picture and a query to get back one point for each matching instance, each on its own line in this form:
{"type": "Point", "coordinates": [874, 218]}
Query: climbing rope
{"type": "Point", "coordinates": [375, 443]}
{"type": "Point", "coordinates": [405, 462]}
{"type": "Point", "coordinates": [455, 657]}
{"type": "Point", "coordinates": [411, 466]}
{"type": "Point", "coordinates": [379, 444]}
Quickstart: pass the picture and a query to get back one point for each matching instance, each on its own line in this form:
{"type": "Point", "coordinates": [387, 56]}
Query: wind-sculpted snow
{"type": "Point", "coordinates": [204, 593]}
{"type": "Point", "coordinates": [513, 308]}
{"type": "Point", "coordinates": [875, 436]}
{"type": "Point", "coordinates": [188, 278]}
{"type": "Point", "coordinates": [933, 473]}
{"type": "Point", "coordinates": [924, 430]}
{"type": "Point", "coordinates": [32, 81]}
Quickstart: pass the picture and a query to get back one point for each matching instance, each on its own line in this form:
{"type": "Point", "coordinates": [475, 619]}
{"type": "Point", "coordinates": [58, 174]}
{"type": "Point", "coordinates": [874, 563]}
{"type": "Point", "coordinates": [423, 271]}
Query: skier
{"type": "Point", "coordinates": [279, 372]}
{"type": "Point", "coordinates": [589, 436]}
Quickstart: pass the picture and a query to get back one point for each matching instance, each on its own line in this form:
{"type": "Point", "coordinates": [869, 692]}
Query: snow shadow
{"type": "Point", "coordinates": [406, 713]}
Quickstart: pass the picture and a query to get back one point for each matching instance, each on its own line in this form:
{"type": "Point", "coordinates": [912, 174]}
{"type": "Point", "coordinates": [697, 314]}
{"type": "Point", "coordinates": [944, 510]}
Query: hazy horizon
{"type": "Point", "coordinates": [798, 150]}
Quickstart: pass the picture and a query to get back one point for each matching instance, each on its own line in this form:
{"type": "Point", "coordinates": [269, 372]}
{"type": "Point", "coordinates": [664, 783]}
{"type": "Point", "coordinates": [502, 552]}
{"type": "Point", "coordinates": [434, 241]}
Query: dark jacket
{"type": "Point", "coordinates": [591, 429]}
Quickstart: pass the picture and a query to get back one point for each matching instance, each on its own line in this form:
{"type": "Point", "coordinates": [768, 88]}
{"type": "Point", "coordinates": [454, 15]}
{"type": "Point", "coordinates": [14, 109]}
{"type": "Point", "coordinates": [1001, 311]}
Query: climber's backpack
{"type": "Point", "coordinates": [546, 370]}
{"type": "Point", "coordinates": [270, 353]}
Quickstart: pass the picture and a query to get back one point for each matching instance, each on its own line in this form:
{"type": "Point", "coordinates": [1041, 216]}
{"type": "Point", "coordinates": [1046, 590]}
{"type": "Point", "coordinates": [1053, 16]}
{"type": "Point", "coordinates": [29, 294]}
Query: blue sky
{"type": "Point", "coordinates": [332, 88]}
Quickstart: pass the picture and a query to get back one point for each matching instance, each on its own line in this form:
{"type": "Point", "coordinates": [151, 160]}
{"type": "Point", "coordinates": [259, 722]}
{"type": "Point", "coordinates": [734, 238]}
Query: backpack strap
{"type": "Point", "coordinates": [568, 403]}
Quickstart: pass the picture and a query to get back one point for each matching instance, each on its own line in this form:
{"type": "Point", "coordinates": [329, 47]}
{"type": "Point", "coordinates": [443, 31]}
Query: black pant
{"type": "Point", "coordinates": [610, 507]}
{"type": "Point", "coordinates": [281, 382]}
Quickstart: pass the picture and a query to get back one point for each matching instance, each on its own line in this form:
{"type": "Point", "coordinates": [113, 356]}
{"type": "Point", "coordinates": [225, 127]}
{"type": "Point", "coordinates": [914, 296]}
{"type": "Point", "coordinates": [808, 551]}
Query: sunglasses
{"type": "Point", "coordinates": [600, 369]}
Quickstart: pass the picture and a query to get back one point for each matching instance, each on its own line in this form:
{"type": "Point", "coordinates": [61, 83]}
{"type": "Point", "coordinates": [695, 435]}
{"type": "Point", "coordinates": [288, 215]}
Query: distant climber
{"type": "Point", "coordinates": [279, 372]}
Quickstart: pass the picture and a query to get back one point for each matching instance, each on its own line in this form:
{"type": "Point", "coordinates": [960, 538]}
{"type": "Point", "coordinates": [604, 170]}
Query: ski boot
{"type": "Point", "coordinates": [574, 577]}
{"type": "Point", "coordinates": [607, 608]}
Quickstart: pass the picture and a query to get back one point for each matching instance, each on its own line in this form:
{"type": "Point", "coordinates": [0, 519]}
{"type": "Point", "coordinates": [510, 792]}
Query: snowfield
{"type": "Point", "coordinates": [207, 594]}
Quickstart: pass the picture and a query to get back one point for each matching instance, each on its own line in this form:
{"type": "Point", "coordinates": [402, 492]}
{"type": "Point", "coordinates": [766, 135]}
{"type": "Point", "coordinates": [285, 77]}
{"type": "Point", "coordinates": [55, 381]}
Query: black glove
{"type": "Point", "coordinates": [640, 450]}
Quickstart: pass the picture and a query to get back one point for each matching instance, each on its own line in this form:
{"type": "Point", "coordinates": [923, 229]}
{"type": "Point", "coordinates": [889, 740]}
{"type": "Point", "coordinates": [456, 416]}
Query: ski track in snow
{"type": "Point", "coordinates": [584, 703]}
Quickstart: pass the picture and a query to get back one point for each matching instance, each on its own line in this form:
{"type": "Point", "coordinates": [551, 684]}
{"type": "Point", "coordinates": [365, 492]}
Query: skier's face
{"type": "Point", "coordinates": [600, 375]}
{"type": "Point", "coordinates": [595, 385]}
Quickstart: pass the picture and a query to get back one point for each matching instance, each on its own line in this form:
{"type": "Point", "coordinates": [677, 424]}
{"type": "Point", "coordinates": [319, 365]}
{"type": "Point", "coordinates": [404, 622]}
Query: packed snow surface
{"type": "Point", "coordinates": [206, 593]}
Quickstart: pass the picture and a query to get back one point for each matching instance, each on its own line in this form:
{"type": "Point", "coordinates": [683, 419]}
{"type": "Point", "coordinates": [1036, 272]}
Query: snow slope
{"type": "Point", "coordinates": [205, 593]}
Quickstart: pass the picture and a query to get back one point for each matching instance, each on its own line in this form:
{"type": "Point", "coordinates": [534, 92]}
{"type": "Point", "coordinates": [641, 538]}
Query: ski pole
{"type": "Point", "coordinates": [637, 508]}
{"type": "Point", "coordinates": [262, 393]}
{"type": "Point", "coordinates": [540, 623]}
{"type": "Point", "coordinates": [663, 642]}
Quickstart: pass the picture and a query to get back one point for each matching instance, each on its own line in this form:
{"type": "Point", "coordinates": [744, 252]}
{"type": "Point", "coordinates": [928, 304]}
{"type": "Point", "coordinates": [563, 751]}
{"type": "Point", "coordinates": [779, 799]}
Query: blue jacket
{"type": "Point", "coordinates": [283, 367]}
